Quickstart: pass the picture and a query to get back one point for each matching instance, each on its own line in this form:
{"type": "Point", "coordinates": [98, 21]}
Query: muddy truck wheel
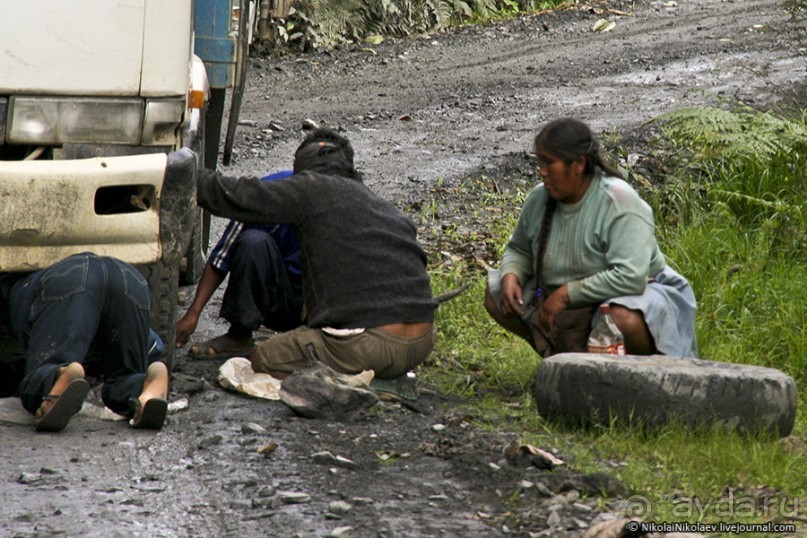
{"type": "Point", "coordinates": [651, 391]}
{"type": "Point", "coordinates": [163, 281]}
{"type": "Point", "coordinates": [195, 259]}
{"type": "Point", "coordinates": [205, 144]}
{"type": "Point", "coordinates": [177, 220]}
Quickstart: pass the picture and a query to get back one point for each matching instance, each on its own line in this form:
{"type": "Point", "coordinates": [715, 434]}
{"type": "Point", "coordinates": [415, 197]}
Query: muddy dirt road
{"type": "Point", "coordinates": [445, 106]}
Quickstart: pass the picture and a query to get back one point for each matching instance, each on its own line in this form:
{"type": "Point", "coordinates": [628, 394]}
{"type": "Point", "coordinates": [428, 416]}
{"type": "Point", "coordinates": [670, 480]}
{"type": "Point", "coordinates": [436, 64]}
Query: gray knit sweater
{"type": "Point", "coordinates": [361, 263]}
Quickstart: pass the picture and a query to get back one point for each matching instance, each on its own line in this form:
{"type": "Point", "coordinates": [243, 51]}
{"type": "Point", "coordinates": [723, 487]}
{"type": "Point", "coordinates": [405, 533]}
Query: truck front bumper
{"type": "Point", "coordinates": [138, 208]}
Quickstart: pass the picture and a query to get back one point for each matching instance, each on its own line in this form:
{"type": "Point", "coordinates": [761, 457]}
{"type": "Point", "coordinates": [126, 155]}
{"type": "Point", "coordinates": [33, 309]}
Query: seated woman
{"type": "Point", "coordinates": [585, 237]}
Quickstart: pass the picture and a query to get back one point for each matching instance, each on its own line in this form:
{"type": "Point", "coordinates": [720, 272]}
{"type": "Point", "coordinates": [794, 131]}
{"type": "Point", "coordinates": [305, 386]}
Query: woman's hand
{"type": "Point", "coordinates": [552, 306]}
{"type": "Point", "coordinates": [512, 298]}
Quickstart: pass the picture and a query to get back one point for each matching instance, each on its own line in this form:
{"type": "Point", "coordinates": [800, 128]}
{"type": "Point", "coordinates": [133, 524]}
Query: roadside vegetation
{"type": "Point", "coordinates": [732, 216]}
{"type": "Point", "coordinates": [323, 24]}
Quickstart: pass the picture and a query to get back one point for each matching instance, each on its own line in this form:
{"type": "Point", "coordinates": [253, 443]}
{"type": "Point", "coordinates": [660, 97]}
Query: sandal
{"type": "Point", "coordinates": [221, 347]}
{"type": "Point", "coordinates": [65, 405]}
{"type": "Point", "coordinates": [150, 416]}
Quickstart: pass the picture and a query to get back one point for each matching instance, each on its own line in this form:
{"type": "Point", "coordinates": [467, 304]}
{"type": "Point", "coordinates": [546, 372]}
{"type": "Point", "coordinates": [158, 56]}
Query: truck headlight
{"type": "Point", "coordinates": [62, 120]}
{"type": "Point", "coordinates": [162, 119]}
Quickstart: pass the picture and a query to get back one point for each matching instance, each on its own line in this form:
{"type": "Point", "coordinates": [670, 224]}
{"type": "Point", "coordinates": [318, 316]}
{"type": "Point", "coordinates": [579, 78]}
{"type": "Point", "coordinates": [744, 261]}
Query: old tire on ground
{"type": "Point", "coordinates": [654, 390]}
{"type": "Point", "coordinates": [163, 281]}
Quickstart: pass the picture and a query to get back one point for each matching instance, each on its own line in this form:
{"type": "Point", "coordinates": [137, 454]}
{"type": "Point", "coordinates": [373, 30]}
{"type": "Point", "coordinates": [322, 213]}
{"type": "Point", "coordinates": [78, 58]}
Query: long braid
{"type": "Point", "coordinates": [543, 240]}
{"type": "Point", "coordinates": [595, 159]}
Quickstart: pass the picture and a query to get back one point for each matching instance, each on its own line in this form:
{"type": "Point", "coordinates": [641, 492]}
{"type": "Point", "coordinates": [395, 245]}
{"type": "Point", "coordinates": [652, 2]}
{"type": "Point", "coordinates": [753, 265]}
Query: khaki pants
{"type": "Point", "coordinates": [387, 355]}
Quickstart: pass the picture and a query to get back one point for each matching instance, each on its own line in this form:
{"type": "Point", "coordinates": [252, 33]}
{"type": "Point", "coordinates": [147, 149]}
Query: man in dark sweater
{"type": "Point", "coordinates": [366, 292]}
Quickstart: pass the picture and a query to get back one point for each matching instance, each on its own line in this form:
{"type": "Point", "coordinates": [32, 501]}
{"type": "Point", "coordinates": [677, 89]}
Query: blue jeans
{"type": "Point", "coordinates": [260, 290]}
{"type": "Point", "coordinates": [88, 309]}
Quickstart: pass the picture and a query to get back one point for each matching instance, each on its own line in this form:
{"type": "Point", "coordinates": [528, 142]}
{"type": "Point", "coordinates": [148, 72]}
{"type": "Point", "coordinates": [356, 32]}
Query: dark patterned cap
{"type": "Point", "coordinates": [315, 153]}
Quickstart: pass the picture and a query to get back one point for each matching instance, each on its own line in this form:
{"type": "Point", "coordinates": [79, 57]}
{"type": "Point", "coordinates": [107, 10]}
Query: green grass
{"type": "Point", "coordinates": [742, 246]}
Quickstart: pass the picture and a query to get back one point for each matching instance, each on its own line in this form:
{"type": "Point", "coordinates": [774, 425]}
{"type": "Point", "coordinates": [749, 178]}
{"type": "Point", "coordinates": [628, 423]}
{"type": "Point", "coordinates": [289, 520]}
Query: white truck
{"type": "Point", "coordinates": [102, 109]}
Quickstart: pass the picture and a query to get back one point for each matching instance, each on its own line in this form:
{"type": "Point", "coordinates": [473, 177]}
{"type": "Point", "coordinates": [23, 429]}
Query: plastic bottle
{"type": "Point", "coordinates": [606, 337]}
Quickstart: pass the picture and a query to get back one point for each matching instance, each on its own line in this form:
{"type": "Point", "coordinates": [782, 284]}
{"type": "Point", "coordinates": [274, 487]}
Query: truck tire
{"type": "Point", "coordinates": [651, 391]}
{"type": "Point", "coordinates": [163, 282]}
{"type": "Point", "coordinates": [196, 256]}
{"type": "Point", "coordinates": [205, 144]}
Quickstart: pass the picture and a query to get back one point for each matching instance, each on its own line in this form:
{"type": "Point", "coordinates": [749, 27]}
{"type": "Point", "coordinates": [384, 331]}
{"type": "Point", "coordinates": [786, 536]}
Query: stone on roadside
{"type": "Point", "coordinates": [323, 458]}
{"type": "Point", "coordinates": [554, 519]}
{"type": "Point", "coordinates": [251, 427]}
{"type": "Point", "coordinates": [340, 532]}
{"type": "Point", "coordinates": [339, 507]}
{"type": "Point", "coordinates": [293, 497]}
{"type": "Point", "coordinates": [320, 392]}
{"type": "Point", "coordinates": [266, 491]}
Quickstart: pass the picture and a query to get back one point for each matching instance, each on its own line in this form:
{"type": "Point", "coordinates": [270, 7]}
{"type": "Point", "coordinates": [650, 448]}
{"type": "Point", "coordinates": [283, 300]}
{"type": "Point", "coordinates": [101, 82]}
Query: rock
{"type": "Point", "coordinates": [542, 490]}
{"type": "Point", "coordinates": [267, 449]}
{"type": "Point", "coordinates": [293, 497]}
{"type": "Point", "coordinates": [309, 125]}
{"type": "Point", "coordinates": [210, 441]}
{"type": "Point", "coordinates": [186, 384]}
{"type": "Point", "coordinates": [30, 479]}
{"type": "Point", "coordinates": [251, 427]}
{"type": "Point", "coordinates": [323, 458]}
{"type": "Point", "coordinates": [340, 532]}
{"type": "Point", "coordinates": [319, 392]}
{"type": "Point", "coordinates": [339, 507]}
{"type": "Point", "coordinates": [266, 491]}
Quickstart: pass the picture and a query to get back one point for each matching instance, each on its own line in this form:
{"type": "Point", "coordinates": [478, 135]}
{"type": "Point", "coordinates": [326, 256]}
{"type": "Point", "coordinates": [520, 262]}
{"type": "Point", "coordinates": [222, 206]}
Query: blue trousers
{"type": "Point", "coordinates": [260, 290]}
{"type": "Point", "coordinates": [87, 309]}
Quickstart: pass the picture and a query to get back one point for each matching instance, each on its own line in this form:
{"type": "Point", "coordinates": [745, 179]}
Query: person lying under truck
{"type": "Point", "coordinates": [367, 295]}
{"type": "Point", "coordinates": [86, 315]}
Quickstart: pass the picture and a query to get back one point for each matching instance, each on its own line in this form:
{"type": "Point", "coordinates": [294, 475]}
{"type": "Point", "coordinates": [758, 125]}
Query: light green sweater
{"type": "Point", "coordinates": [602, 246]}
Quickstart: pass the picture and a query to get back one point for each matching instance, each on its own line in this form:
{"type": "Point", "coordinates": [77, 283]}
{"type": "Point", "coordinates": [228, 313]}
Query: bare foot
{"type": "Point", "coordinates": [151, 406]}
{"type": "Point", "coordinates": [156, 383]}
{"type": "Point", "coordinates": [67, 374]}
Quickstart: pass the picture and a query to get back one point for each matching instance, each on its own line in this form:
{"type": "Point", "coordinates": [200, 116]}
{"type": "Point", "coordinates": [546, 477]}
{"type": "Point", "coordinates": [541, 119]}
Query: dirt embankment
{"type": "Point", "coordinates": [445, 106]}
